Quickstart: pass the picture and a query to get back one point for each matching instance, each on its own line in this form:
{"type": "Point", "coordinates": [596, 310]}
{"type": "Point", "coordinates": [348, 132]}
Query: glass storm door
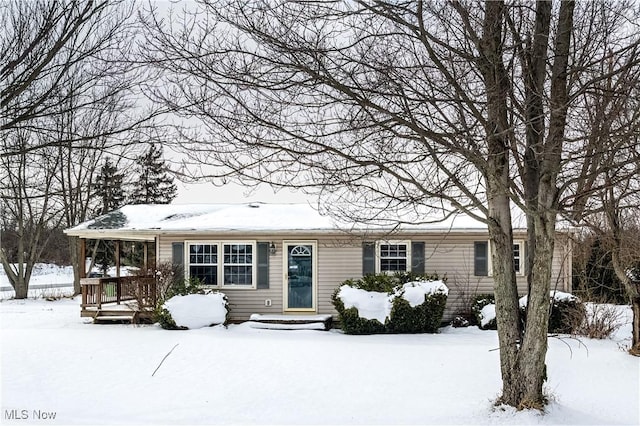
{"type": "Point", "coordinates": [299, 276]}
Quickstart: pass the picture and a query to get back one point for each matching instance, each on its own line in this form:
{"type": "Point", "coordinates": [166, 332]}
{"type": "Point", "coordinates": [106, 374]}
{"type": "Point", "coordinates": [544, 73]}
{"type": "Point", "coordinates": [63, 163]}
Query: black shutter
{"type": "Point", "coordinates": [417, 258]}
{"type": "Point", "coordinates": [481, 258]}
{"type": "Point", "coordinates": [368, 258]}
{"type": "Point", "coordinates": [177, 259]}
{"type": "Point", "coordinates": [263, 265]}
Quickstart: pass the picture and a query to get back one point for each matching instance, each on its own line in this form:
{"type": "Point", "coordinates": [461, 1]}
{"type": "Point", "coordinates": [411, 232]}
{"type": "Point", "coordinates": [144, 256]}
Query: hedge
{"type": "Point", "coordinates": [403, 318]}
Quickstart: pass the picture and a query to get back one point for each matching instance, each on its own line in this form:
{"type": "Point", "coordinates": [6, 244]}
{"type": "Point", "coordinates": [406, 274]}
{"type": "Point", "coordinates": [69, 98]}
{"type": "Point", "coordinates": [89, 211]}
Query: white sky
{"type": "Point", "coordinates": [234, 193]}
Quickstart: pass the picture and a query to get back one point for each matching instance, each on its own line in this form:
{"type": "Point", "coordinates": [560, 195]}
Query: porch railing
{"type": "Point", "coordinates": [97, 291]}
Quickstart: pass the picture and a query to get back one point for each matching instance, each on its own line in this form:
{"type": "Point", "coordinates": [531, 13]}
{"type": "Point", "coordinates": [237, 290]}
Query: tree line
{"type": "Point", "coordinates": [388, 111]}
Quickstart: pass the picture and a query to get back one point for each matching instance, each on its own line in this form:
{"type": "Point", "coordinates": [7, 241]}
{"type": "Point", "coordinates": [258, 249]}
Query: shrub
{"type": "Point", "coordinates": [179, 288]}
{"type": "Point", "coordinates": [424, 318]}
{"type": "Point", "coordinates": [565, 308]}
{"type": "Point", "coordinates": [350, 320]}
{"type": "Point", "coordinates": [597, 320]}
{"type": "Point", "coordinates": [380, 283]}
{"type": "Point", "coordinates": [402, 317]}
{"type": "Point", "coordinates": [460, 321]}
{"type": "Point", "coordinates": [163, 317]}
{"type": "Point", "coordinates": [407, 277]}
{"type": "Point", "coordinates": [479, 302]}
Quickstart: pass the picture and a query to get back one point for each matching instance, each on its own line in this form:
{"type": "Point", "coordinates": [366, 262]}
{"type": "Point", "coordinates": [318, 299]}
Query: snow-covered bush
{"type": "Point", "coordinates": [197, 310]}
{"type": "Point", "coordinates": [459, 321]}
{"type": "Point", "coordinates": [176, 311]}
{"type": "Point", "coordinates": [412, 307]}
{"type": "Point", "coordinates": [484, 311]}
{"type": "Point", "coordinates": [566, 312]}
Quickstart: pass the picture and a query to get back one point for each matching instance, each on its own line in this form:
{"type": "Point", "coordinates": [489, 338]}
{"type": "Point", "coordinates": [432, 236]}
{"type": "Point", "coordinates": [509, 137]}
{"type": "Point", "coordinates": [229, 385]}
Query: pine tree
{"type": "Point", "coordinates": [154, 185]}
{"type": "Point", "coordinates": [109, 187]}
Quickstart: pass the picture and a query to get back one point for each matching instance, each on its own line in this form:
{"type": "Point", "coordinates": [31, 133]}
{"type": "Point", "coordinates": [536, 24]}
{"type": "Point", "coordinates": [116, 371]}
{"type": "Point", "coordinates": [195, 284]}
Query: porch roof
{"type": "Point", "coordinates": [145, 221]}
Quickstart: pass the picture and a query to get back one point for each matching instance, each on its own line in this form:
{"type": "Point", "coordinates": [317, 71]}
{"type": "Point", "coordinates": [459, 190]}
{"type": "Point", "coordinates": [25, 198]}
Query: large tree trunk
{"type": "Point", "coordinates": [534, 343]}
{"type": "Point", "coordinates": [19, 275]}
{"type": "Point", "coordinates": [631, 288]}
{"type": "Point", "coordinates": [506, 296]}
{"type": "Point", "coordinates": [499, 218]}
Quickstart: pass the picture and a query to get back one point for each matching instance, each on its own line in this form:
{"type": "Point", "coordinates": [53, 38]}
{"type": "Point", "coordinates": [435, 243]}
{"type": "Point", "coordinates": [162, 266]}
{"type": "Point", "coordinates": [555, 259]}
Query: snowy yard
{"type": "Point", "coordinates": [55, 363]}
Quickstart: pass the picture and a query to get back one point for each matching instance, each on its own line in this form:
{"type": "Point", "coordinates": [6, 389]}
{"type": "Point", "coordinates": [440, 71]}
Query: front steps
{"type": "Point", "coordinates": [116, 317]}
{"type": "Point", "coordinates": [291, 322]}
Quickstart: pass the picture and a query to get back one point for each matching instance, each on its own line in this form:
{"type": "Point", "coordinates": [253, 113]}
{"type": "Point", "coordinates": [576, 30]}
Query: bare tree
{"type": "Point", "coordinates": [69, 91]}
{"type": "Point", "coordinates": [604, 196]}
{"type": "Point", "coordinates": [54, 51]}
{"type": "Point", "coordinates": [28, 207]}
{"type": "Point", "coordinates": [399, 109]}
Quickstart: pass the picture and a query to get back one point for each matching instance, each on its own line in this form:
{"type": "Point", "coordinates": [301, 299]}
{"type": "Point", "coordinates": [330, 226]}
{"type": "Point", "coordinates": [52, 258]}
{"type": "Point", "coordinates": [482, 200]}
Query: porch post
{"type": "Point", "coordinates": [82, 261]}
{"type": "Point", "coordinates": [118, 283]}
{"type": "Point", "coordinates": [145, 254]}
{"type": "Point", "coordinates": [117, 258]}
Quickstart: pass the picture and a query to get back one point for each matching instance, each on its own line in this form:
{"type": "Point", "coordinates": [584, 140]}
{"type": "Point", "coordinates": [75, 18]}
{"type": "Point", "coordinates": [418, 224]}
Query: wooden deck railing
{"type": "Point", "coordinates": [97, 291]}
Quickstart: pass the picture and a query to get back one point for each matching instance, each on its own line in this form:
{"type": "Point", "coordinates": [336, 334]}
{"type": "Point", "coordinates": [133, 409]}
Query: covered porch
{"type": "Point", "coordinates": [130, 298]}
{"type": "Point", "coordinates": [122, 288]}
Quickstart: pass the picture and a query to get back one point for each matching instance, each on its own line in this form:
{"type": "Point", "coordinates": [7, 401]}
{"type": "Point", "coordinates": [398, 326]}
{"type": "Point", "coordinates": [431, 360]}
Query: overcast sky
{"type": "Point", "coordinates": [233, 193]}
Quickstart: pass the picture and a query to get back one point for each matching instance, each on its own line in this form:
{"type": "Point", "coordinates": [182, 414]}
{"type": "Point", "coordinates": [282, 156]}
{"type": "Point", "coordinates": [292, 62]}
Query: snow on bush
{"type": "Point", "coordinates": [412, 307]}
{"type": "Point", "coordinates": [487, 315]}
{"type": "Point", "coordinates": [377, 305]}
{"type": "Point", "coordinates": [566, 314]}
{"type": "Point", "coordinates": [414, 292]}
{"type": "Point", "coordinates": [370, 304]}
{"type": "Point", "coordinates": [557, 296]}
{"type": "Point", "coordinates": [485, 318]}
{"type": "Point", "coordinates": [197, 310]}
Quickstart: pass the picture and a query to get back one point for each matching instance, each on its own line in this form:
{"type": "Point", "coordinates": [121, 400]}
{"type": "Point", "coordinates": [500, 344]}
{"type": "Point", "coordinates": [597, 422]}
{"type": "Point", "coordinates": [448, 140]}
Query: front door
{"type": "Point", "coordinates": [300, 279]}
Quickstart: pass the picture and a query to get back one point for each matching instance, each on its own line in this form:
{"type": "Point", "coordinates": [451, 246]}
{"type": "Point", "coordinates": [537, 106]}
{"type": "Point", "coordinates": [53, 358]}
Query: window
{"type": "Point", "coordinates": [481, 264]}
{"type": "Point", "coordinates": [203, 263]}
{"type": "Point", "coordinates": [234, 267]}
{"type": "Point", "coordinates": [518, 258]}
{"type": "Point", "coordinates": [393, 256]}
{"type": "Point", "coordinates": [481, 258]}
{"type": "Point", "coordinates": [238, 264]}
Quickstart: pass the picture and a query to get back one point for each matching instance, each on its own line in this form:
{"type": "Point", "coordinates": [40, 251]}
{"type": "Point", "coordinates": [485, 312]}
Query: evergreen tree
{"type": "Point", "coordinates": [601, 280]}
{"type": "Point", "coordinates": [155, 184]}
{"type": "Point", "coordinates": [109, 187]}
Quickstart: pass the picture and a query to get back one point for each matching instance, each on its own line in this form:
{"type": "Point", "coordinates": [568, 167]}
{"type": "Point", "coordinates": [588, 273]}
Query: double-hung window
{"type": "Point", "coordinates": [238, 264]}
{"type": "Point", "coordinates": [518, 258]}
{"type": "Point", "coordinates": [482, 265]}
{"type": "Point", "coordinates": [393, 256]}
{"type": "Point", "coordinates": [223, 264]}
{"type": "Point", "coordinates": [203, 263]}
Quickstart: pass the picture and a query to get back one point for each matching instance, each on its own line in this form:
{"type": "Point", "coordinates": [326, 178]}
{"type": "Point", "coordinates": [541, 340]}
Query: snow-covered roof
{"type": "Point", "coordinates": [155, 219]}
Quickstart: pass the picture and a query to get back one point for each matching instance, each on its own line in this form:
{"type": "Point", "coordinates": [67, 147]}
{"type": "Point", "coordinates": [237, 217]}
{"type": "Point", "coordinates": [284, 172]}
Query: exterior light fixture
{"type": "Point", "coordinates": [272, 248]}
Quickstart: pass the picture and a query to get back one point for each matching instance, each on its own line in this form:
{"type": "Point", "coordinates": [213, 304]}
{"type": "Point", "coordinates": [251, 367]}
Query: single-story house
{"type": "Point", "coordinates": [286, 259]}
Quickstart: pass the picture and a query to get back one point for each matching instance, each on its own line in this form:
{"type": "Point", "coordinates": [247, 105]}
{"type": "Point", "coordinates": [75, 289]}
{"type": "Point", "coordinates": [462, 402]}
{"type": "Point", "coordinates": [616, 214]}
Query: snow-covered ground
{"type": "Point", "coordinates": [55, 363]}
{"type": "Point", "coordinates": [47, 280]}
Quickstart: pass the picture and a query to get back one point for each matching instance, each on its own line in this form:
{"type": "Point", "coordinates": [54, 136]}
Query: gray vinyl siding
{"type": "Point", "coordinates": [340, 258]}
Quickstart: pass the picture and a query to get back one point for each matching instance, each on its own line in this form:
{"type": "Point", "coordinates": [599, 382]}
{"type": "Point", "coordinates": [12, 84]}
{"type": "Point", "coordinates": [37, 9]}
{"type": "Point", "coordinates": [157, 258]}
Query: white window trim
{"type": "Point", "coordinates": [220, 265]}
{"type": "Point", "coordinates": [392, 242]}
{"type": "Point", "coordinates": [521, 262]}
{"type": "Point", "coordinates": [521, 265]}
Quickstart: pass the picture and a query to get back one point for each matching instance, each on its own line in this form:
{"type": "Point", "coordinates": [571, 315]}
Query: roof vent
{"type": "Point", "coordinates": [254, 205]}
